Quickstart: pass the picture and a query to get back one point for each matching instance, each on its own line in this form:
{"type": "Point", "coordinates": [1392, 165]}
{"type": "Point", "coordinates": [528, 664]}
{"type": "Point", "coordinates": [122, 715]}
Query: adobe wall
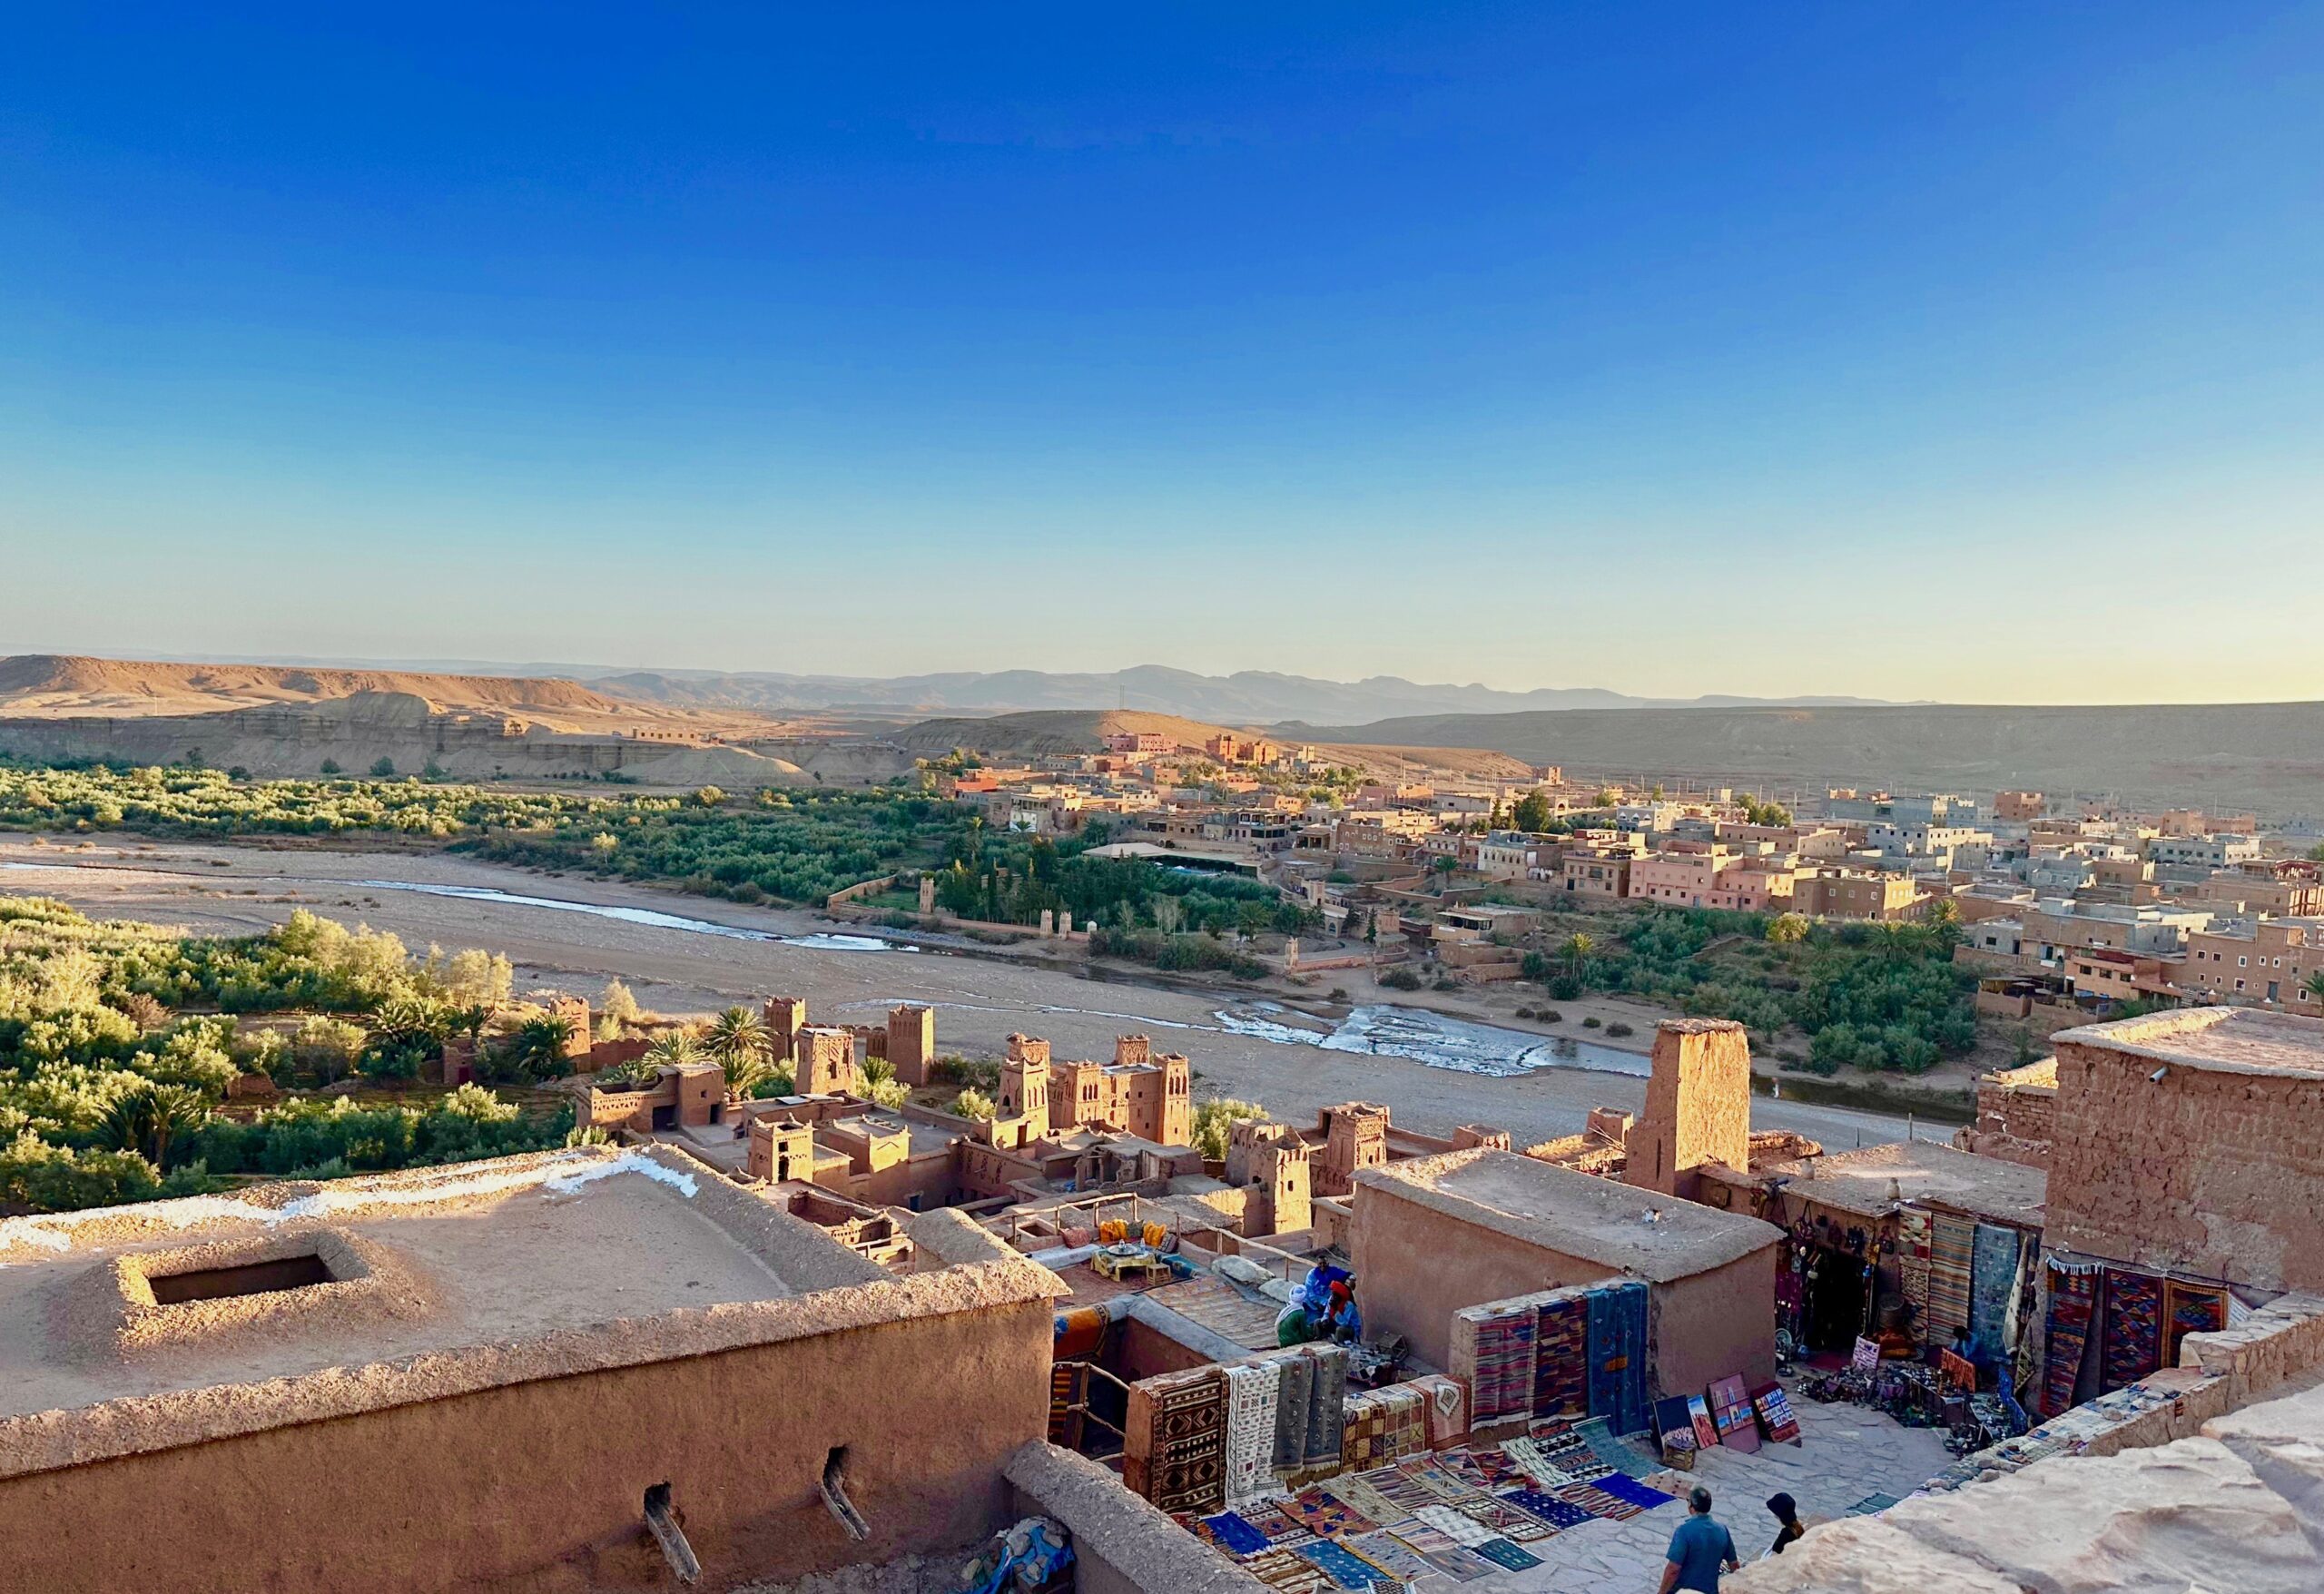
{"type": "Point", "coordinates": [1121, 1544]}
{"type": "Point", "coordinates": [539, 1486]}
{"type": "Point", "coordinates": [927, 1175]}
{"type": "Point", "coordinates": [1714, 1324]}
{"type": "Point", "coordinates": [1415, 1266]}
{"type": "Point", "coordinates": [1698, 1103]}
{"type": "Point", "coordinates": [2016, 1116]}
{"type": "Point", "coordinates": [2215, 1173]}
{"type": "Point", "coordinates": [1143, 1351]}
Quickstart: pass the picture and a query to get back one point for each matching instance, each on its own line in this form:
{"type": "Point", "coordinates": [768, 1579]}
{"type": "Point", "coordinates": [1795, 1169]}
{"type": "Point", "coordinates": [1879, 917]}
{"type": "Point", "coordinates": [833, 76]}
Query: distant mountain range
{"type": "Point", "coordinates": [1249, 697]}
{"type": "Point", "coordinates": [1256, 697]}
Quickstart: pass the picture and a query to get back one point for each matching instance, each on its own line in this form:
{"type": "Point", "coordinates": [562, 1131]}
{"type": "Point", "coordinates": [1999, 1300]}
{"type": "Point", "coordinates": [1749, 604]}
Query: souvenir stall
{"type": "Point", "coordinates": [2109, 1325]}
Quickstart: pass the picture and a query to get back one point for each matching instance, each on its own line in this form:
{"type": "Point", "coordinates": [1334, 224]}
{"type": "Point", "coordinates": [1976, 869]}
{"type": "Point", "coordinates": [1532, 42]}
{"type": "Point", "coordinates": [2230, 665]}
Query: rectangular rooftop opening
{"type": "Point", "coordinates": [253, 1278]}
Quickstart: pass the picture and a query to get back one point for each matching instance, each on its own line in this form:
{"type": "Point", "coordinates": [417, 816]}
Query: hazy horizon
{"type": "Point", "coordinates": [1820, 352]}
{"type": "Point", "coordinates": [584, 669]}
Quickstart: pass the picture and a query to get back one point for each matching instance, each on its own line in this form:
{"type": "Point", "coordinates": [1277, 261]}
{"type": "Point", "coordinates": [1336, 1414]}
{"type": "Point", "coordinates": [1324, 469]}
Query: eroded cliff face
{"type": "Point", "coordinates": [356, 731]}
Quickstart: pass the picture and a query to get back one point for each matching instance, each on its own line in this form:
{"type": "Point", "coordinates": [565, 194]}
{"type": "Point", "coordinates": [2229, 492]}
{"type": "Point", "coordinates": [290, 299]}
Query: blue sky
{"type": "Point", "coordinates": [1970, 352]}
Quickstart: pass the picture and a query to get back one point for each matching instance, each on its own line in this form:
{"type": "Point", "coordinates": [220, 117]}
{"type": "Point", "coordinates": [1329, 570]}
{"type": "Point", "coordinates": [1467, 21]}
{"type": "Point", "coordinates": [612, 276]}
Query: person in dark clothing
{"type": "Point", "coordinates": [1787, 1514]}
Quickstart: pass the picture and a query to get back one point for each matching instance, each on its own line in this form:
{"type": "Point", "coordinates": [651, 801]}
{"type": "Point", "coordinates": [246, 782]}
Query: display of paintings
{"type": "Point", "coordinates": [1675, 1426]}
{"type": "Point", "coordinates": [1730, 1414]}
{"type": "Point", "coordinates": [1775, 1419]}
{"type": "Point", "coordinates": [1706, 1430]}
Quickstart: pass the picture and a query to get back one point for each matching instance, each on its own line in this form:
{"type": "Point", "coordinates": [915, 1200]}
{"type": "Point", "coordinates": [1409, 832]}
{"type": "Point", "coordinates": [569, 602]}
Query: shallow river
{"type": "Point", "coordinates": [1383, 1029]}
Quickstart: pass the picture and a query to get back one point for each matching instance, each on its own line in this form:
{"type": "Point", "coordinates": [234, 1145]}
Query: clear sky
{"type": "Point", "coordinates": [1969, 352]}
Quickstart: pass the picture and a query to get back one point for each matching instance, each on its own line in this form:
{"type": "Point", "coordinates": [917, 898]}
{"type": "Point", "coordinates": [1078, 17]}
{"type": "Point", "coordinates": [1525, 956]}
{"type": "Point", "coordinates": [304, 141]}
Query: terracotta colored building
{"type": "Point", "coordinates": [1603, 872]}
{"type": "Point", "coordinates": [2193, 1140]}
{"type": "Point", "coordinates": [1438, 1234]}
{"type": "Point", "coordinates": [1681, 875]}
{"type": "Point", "coordinates": [2270, 965]}
{"type": "Point", "coordinates": [1697, 1105]}
{"type": "Point", "coordinates": [1846, 893]}
{"type": "Point", "coordinates": [2016, 1115]}
{"type": "Point", "coordinates": [421, 1382]}
{"type": "Point", "coordinates": [1137, 1093]}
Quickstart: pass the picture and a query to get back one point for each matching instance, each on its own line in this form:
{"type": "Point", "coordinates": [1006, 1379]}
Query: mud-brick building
{"type": "Point", "coordinates": [2193, 1140]}
{"type": "Point", "coordinates": [579, 1371]}
{"type": "Point", "coordinates": [1438, 1234]}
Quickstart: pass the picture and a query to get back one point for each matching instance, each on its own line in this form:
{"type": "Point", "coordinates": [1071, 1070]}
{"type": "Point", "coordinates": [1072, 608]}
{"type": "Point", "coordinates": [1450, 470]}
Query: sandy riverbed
{"type": "Point", "coordinates": [219, 889]}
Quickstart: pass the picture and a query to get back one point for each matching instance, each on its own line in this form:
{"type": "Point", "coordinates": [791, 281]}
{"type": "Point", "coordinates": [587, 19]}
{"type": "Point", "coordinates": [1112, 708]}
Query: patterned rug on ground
{"type": "Point", "coordinates": [1325, 1515]}
{"type": "Point", "coordinates": [1345, 1569]}
{"type": "Point", "coordinates": [1287, 1572]}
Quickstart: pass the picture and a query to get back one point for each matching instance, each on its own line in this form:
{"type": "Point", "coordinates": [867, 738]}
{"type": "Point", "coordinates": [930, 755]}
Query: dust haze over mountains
{"type": "Point", "coordinates": [1252, 697]}
{"type": "Point", "coordinates": [765, 726]}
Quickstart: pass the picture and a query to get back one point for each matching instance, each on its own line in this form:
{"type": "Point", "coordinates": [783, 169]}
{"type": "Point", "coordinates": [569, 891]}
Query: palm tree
{"type": "Point", "coordinates": [2315, 985]}
{"type": "Point", "coordinates": [408, 1021]}
{"type": "Point", "coordinates": [743, 1071]}
{"type": "Point", "coordinates": [738, 1039]}
{"type": "Point", "coordinates": [1892, 941]}
{"type": "Point", "coordinates": [539, 1047]}
{"type": "Point", "coordinates": [673, 1048]}
{"type": "Point", "coordinates": [148, 1116]}
{"type": "Point", "coordinates": [1577, 948]}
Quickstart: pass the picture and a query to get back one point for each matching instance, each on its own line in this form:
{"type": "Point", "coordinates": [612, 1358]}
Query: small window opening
{"type": "Point", "coordinates": [253, 1278]}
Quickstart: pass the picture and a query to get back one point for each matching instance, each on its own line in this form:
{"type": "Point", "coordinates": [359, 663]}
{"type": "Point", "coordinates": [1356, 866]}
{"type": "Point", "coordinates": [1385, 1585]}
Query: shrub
{"type": "Point", "coordinates": [1212, 1120]}
{"type": "Point", "coordinates": [1401, 979]}
{"type": "Point", "coordinates": [56, 1178]}
{"type": "Point", "coordinates": [953, 1070]}
{"type": "Point", "coordinates": [1591, 1023]}
{"type": "Point", "coordinates": [1550, 1016]}
{"type": "Point", "coordinates": [973, 1104]}
{"type": "Point", "coordinates": [1617, 1029]}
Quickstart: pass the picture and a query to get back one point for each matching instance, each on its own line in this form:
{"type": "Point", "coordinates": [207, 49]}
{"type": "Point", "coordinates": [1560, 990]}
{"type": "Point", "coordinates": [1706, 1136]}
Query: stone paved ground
{"type": "Point", "coordinates": [1846, 1454]}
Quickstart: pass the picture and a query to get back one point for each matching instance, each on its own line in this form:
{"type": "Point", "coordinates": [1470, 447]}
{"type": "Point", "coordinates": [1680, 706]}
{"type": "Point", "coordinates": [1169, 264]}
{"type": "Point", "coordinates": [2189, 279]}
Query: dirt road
{"type": "Point", "coordinates": [680, 953]}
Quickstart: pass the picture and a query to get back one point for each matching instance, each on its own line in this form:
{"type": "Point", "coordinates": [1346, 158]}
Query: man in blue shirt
{"type": "Point", "coordinates": [1699, 1549]}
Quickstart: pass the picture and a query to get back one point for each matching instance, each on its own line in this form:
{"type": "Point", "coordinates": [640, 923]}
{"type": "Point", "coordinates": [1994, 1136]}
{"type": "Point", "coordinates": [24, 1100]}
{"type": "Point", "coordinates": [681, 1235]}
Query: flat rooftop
{"type": "Point", "coordinates": [2225, 1040]}
{"type": "Point", "coordinates": [507, 1254]}
{"type": "Point", "coordinates": [1862, 1181]}
{"type": "Point", "coordinates": [135, 1328]}
{"type": "Point", "coordinates": [1655, 1238]}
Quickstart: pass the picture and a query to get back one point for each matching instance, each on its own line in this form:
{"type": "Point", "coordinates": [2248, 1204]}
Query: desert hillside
{"type": "Point", "coordinates": [1047, 731]}
{"type": "Point", "coordinates": [66, 685]}
{"type": "Point", "coordinates": [281, 720]}
{"type": "Point", "coordinates": [2264, 757]}
{"type": "Point", "coordinates": [1059, 731]}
